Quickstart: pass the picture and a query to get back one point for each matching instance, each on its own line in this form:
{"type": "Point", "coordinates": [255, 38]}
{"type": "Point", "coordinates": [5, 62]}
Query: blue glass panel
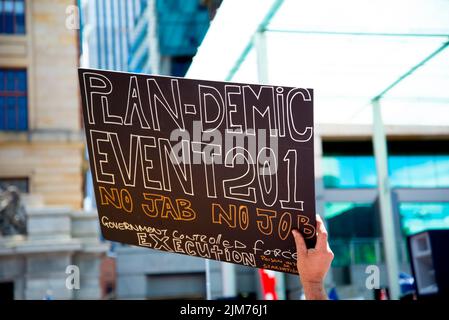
{"type": "Point", "coordinates": [10, 80]}
{"type": "Point", "coordinates": [183, 37]}
{"type": "Point", "coordinates": [346, 169]}
{"type": "Point", "coordinates": [2, 112]}
{"type": "Point", "coordinates": [348, 172]}
{"type": "Point", "coordinates": [8, 6]}
{"type": "Point", "coordinates": [9, 23]}
{"type": "Point", "coordinates": [20, 24]}
{"type": "Point", "coordinates": [442, 170]}
{"type": "Point", "coordinates": [19, 8]}
{"type": "Point", "coordinates": [418, 217]}
{"type": "Point", "coordinates": [23, 113]}
{"type": "Point", "coordinates": [422, 171]}
{"type": "Point", "coordinates": [406, 171]}
{"type": "Point", "coordinates": [399, 171]}
{"type": "Point", "coordinates": [21, 78]}
{"type": "Point", "coordinates": [10, 113]}
{"type": "Point", "coordinates": [365, 172]}
{"type": "Point", "coordinates": [2, 79]}
{"type": "Point", "coordinates": [331, 176]}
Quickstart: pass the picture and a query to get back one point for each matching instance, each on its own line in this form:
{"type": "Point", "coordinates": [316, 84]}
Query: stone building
{"type": "Point", "coordinates": [39, 265]}
{"type": "Point", "coordinates": [41, 147]}
{"type": "Point", "coordinates": [42, 151]}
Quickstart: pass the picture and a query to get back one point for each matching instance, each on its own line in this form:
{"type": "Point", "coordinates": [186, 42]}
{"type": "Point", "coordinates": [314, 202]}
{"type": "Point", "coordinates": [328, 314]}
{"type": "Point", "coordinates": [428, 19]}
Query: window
{"type": "Point", "coordinates": [417, 217]}
{"type": "Point", "coordinates": [6, 291]}
{"type": "Point", "coordinates": [348, 220]}
{"type": "Point", "coordinates": [13, 100]}
{"type": "Point", "coordinates": [411, 164]}
{"type": "Point", "coordinates": [12, 16]}
{"type": "Point", "coordinates": [354, 233]}
{"type": "Point", "coordinates": [180, 65]}
{"type": "Point", "coordinates": [20, 183]}
{"type": "Point", "coordinates": [419, 171]}
{"type": "Point", "coordinates": [357, 171]}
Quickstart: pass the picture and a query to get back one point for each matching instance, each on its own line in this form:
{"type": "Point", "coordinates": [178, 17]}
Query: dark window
{"type": "Point", "coordinates": [12, 16]}
{"type": "Point", "coordinates": [20, 183]}
{"type": "Point", "coordinates": [354, 233]}
{"type": "Point", "coordinates": [180, 65]}
{"type": "Point", "coordinates": [13, 99]}
{"type": "Point", "coordinates": [6, 291]}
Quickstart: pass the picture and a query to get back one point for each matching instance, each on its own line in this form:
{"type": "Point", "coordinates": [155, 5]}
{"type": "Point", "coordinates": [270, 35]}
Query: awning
{"type": "Point", "coordinates": [348, 51]}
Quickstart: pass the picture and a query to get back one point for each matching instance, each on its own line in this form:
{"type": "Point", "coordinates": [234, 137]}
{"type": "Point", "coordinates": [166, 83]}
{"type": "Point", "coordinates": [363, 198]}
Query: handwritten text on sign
{"type": "Point", "coordinates": [210, 169]}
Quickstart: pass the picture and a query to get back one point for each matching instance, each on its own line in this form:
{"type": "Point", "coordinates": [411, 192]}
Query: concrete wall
{"type": "Point", "coordinates": [57, 238]}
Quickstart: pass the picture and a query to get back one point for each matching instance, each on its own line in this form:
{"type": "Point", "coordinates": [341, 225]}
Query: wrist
{"type": "Point", "coordinates": [314, 290]}
{"type": "Point", "coordinates": [314, 284]}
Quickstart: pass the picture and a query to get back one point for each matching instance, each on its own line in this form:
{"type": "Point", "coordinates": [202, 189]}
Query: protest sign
{"type": "Point", "coordinates": [217, 170]}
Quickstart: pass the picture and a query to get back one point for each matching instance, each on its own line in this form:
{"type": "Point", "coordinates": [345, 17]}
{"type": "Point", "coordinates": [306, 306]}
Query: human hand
{"type": "Point", "coordinates": [313, 264]}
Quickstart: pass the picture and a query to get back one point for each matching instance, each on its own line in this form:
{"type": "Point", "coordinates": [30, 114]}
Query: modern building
{"type": "Point", "coordinates": [381, 114]}
{"type": "Point", "coordinates": [42, 149]}
{"type": "Point", "coordinates": [143, 35]}
{"type": "Point", "coordinates": [167, 34]}
{"type": "Point", "coordinates": [106, 26]}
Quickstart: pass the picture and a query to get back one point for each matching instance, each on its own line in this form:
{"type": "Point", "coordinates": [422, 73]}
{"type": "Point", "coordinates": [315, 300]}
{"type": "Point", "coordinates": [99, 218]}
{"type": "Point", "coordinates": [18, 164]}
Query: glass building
{"type": "Point", "coordinates": [106, 26]}
{"type": "Point", "coordinates": [375, 73]}
{"type": "Point", "coordinates": [419, 175]}
{"type": "Point", "coordinates": [166, 35]}
{"type": "Point", "coordinates": [146, 36]}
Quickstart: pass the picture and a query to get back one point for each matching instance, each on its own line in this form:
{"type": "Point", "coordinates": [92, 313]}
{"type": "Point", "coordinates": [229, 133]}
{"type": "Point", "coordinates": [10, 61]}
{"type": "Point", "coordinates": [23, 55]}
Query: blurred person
{"type": "Point", "coordinates": [314, 263]}
{"type": "Point", "coordinates": [48, 295]}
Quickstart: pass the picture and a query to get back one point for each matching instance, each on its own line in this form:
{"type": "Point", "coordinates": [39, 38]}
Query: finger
{"type": "Point", "coordinates": [301, 247]}
{"type": "Point", "coordinates": [321, 242]}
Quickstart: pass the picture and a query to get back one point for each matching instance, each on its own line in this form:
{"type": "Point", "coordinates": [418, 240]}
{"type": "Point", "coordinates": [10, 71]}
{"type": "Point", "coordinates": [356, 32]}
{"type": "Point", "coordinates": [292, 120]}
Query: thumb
{"type": "Point", "coordinates": [301, 248]}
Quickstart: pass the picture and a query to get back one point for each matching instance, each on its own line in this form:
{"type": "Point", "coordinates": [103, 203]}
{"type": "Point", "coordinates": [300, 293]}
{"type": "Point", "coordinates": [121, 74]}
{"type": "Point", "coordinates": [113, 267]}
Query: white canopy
{"type": "Point", "coordinates": [348, 51]}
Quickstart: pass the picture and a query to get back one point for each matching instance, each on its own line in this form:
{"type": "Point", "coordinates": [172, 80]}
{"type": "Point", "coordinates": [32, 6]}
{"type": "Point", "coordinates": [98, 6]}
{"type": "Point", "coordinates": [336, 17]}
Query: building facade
{"type": "Point", "coordinates": [158, 37]}
{"type": "Point", "coordinates": [60, 243]}
{"type": "Point", "coordinates": [418, 161]}
{"type": "Point", "coordinates": [350, 64]}
{"type": "Point", "coordinates": [106, 27]}
{"type": "Point", "coordinates": [42, 149]}
{"type": "Point", "coordinates": [147, 36]}
{"type": "Point", "coordinates": [167, 34]}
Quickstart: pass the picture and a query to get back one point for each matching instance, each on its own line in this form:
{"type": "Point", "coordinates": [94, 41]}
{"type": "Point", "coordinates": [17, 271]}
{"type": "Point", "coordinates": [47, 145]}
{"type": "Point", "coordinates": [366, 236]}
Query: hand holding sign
{"type": "Point", "coordinates": [216, 170]}
{"type": "Point", "coordinates": [313, 264]}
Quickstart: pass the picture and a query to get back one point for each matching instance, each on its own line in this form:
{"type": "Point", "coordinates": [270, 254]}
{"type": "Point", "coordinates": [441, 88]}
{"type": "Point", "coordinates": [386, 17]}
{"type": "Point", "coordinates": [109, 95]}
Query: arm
{"type": "Point", "coordinates": [313, 264]}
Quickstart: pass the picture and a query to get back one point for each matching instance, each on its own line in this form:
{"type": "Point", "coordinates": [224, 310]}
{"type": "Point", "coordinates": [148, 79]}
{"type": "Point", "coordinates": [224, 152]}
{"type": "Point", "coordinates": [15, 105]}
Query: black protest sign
{"type": "Point", "coordinates": [217, 170]}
